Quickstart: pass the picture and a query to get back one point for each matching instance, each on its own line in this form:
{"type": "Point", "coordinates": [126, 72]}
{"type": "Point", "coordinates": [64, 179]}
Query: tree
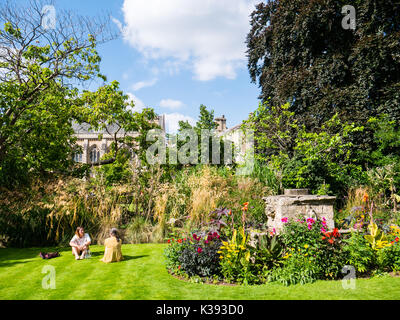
{"type": "Point", "coordinates": [109, 107]}
{"type": "Point", "coordinates": [38, 70]}
{"type": "Point", "coordinates": [298, 52]}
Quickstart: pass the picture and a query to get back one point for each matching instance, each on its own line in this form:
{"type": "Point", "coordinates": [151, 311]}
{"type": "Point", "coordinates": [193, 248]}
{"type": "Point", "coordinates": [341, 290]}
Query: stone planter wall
{"type": "Point", "coordinates": [295, 203]}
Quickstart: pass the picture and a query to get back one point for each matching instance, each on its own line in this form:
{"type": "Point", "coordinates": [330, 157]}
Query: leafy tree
{"type": "Point", "coordinates": [323, 160]}
{"type": "Point", "coordinates": [206, 122]}
{"type": "Point", "coordinates": [109, 107]}
{"type": "Point", "coordinates": [38, 69]}
{"type": "Point", "coordinates": [299, 53]}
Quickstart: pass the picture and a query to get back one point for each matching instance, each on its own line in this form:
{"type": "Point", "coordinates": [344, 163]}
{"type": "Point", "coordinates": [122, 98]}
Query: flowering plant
{"type": "Point", "coordinates": [235, 257]}
{"type": "Point", "coordinates": [195, 255]}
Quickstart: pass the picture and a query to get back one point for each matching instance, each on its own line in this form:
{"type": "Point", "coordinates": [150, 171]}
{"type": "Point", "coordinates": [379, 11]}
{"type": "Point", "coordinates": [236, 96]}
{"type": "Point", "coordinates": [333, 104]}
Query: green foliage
{"type": "Point", "coordinates": [376, 238]}
{"type": "Point", "coordinates": [266, 254]}
{"type": "Point", "coordinates": [388, 258]}
{"type": "Point", "coordinates": [299, 52]}
{"type": "Point", "coordinates": [195, 256]}
{"type": "Point", "coordinates": [304, 158]}
{"type": "Point", "coordinates": [235, 258]}
{"type": "Point", "coordinates": [37, 90]}
{"type": "Point", "coordinates": [311, 239]}
{"type": "Point", "coordinates": [298, 269]}
{"type": "Point", "coordinates": [360, 254]}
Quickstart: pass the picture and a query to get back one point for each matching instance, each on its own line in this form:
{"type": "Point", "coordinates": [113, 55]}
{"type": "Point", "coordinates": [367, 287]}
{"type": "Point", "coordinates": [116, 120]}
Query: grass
{"type": "Point", "coordinates": [142, 276]}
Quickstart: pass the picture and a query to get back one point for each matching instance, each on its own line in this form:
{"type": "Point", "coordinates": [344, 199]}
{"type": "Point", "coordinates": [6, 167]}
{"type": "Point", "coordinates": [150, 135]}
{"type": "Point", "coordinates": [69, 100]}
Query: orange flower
{"type": "Point", "coordinates": [246, 204]}
{"type": "Point", "coordinates": [366, 197]}
{"type": "Point", "coordinates": [230, 212]}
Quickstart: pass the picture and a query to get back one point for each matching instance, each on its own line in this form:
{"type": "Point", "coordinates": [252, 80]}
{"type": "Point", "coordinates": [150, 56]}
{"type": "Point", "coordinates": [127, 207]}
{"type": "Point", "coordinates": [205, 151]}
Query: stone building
{"type": "Point", "coordinates": [93, 148]}
{"type": "Point", "coordinates": [236, 135]}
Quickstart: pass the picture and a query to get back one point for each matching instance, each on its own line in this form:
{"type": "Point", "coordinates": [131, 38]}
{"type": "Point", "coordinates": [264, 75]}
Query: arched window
{"type": "Point", "coordinates": [94, 155]}
{"type": "Point", "coordinates": [78, 157]}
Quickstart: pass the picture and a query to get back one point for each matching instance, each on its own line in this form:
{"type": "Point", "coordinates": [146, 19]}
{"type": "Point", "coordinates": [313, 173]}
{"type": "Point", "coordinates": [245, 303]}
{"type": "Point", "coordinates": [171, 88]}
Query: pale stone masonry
{"type": "Point", "coordinates": [93, 148]}
{"type": "Point", "coordinates": [295, 203]}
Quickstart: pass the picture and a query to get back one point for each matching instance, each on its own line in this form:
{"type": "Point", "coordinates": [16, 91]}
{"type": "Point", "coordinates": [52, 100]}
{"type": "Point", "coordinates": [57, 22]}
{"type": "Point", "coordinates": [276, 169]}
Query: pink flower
{"type": "Point", "coordinates": [310, 220]}
{"type": "Point", "coordinates": [323, 230]}
{"type": "Point", "coordinates": [284, 220]}
{"type": "Point", "coordinates": [309, 226]}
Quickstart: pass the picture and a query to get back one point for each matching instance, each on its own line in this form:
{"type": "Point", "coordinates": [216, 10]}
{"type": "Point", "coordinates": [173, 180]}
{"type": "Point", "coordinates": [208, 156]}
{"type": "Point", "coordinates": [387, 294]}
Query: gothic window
{"type": "Point", "coordinates": [94, 155]}
{"type": "Point", "coordinates": [78, 157]}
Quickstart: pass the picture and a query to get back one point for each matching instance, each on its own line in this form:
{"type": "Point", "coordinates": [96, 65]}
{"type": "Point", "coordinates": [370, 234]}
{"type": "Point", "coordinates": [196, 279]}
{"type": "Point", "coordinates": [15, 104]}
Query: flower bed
{"type": "Point", "coordinates": [305, 251]}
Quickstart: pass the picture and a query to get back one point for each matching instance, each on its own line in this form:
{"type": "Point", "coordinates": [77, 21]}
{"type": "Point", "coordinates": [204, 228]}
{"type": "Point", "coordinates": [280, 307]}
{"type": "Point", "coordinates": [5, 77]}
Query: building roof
{"type": "Point", "coordinates": [84, 128]}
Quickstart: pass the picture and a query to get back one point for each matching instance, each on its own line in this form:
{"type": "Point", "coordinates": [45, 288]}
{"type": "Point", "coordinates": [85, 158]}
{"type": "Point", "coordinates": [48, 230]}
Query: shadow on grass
{"type": "Point", "coordinates": [28, 253]}
{"type": "Point", "coordinates": [127, 258]}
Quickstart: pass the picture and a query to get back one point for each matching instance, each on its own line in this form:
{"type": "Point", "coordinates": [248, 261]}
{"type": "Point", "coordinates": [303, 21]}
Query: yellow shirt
{"type": "Point", "coordinates": [112, 252]}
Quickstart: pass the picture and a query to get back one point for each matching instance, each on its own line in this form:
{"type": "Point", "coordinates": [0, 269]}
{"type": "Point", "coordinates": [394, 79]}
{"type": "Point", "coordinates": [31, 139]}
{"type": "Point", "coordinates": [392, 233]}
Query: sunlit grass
{"type": "Point", "coordinates": [143, 276]}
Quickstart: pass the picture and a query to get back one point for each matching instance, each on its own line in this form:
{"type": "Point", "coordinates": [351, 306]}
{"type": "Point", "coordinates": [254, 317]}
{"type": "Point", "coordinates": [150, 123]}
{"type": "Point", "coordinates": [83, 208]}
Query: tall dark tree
{"type": "Point", "coordinates": [298, 52]}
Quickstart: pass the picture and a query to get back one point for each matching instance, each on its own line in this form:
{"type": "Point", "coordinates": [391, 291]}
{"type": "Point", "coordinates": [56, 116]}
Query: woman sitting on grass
{"type": "Point", "coordinates": [112, 252]}
{"type": "Point", "coordinates": [80, 244]}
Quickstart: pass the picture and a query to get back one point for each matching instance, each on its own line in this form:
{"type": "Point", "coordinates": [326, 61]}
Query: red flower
{"type": "Point", "coordinates": [199, 250]}
{"type": "Point", "coordinates": [397, 239]}
{"type": "Point", "coordinates": [180, 240]}
{"type": "Point", "coordinates": [331, 241]}
{"type": "Point", "coordinates": [336, 232]}
{"type": "Point", "coordinates": [169, 241]}
{"type": "Point", "coordinates": [179, 267]}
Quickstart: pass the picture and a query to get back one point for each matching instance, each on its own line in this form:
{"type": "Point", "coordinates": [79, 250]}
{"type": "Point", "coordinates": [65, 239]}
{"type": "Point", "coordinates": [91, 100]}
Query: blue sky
{"type": "Point", "coordinates": [174, 55]}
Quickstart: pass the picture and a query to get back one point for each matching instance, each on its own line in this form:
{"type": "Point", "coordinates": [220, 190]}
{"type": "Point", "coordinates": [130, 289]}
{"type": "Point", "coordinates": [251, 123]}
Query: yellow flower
{"type": "Point", "coordinates": [306, 246]}
{"type": "Point", "coordinates": [221, 257]}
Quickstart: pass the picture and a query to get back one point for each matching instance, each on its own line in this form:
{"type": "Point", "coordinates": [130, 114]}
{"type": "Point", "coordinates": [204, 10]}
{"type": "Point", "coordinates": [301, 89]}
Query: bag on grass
{"type": "Point", "coordinates": [49, 255]}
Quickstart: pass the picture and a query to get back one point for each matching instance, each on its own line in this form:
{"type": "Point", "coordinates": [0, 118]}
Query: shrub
{"type": "Point", "coordinates": [310, 238]}
{"type": "Point", "coordinates": [359, 253]}
{"type": "Point", "coordinates": [388, 258]}
{"type": "Point", "coordinates": [235, 258]}
{"type": "Point", "coordinates": [266, 253]}
{"type": "Point", "coordinates": [172, 254]}
{"type": "Point", "coordinates": [298, 268]}
{"type": "Point", "coordinates": [196, 256]}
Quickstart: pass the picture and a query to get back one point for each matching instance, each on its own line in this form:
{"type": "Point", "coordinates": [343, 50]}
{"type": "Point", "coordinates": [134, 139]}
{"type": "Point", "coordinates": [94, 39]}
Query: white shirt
{"type": "Point", "coordinates": [81, 241]}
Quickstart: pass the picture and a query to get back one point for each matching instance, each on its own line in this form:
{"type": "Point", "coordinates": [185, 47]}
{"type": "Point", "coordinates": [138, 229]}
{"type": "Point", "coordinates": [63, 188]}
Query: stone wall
{"type": "Point", "coordinates": [297, 203]}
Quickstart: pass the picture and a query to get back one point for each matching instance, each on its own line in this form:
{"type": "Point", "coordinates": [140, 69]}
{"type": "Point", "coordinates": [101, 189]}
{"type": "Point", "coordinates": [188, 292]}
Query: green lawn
{"type": "Point", "coordinates": [143, 276]}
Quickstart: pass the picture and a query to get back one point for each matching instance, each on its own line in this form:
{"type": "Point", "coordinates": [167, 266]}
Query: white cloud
{"type": "Point", "coordinates": [143, 84]}
{"type": "Point", "coordinates": [171, 104]}
{"type": "Point", "coordinates": [172, 121]}
{"type": "Point", "coordinates": [209, 35]}
{"type": "Point", "coordinates": [139, 104]}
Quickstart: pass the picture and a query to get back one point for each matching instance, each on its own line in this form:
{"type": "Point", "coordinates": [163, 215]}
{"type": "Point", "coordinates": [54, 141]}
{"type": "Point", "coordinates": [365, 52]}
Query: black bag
{"type": "Point", "coordinates": [49, 255]}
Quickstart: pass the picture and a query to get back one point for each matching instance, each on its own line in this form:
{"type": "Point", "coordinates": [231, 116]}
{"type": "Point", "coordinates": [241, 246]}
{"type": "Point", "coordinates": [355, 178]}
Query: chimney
{"type": "Point", "coordinates": [221, 123]}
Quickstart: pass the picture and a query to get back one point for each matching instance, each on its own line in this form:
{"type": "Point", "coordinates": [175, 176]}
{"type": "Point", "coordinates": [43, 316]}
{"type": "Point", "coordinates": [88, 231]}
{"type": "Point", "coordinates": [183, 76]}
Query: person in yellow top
{"type": "Point", "coordinates": [112, 251]}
